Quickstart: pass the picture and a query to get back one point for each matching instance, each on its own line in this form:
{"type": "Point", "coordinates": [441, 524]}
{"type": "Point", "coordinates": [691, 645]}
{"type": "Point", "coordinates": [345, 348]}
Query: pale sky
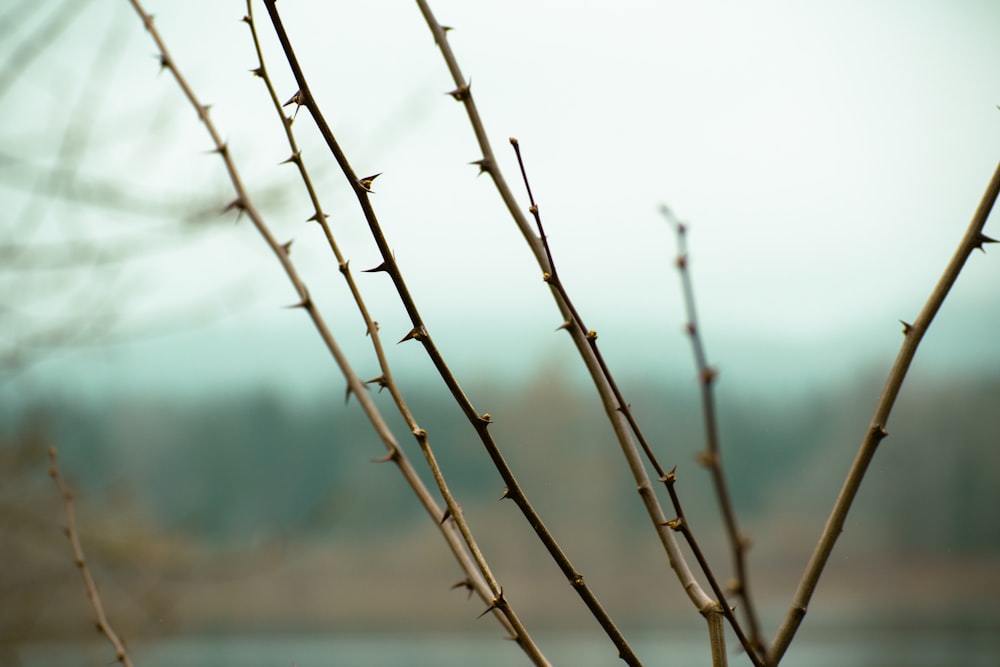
{"type": "Point", "coordinates": [827, 157]}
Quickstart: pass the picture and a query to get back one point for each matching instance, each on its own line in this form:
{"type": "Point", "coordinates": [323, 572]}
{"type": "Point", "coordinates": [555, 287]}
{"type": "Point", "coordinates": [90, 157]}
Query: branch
{"type": "Point", "coordinates": [612, 406]}
{"type": "Point", "coordinates": [680, 523]}
{"type": "Point", "coordinates": [244, 204]}
{"type": "Point", "coordinates": [486, 586]}
{"type": "Point", "coordinates": [912, 335]}
{"type": "Point", "coordinates": [420, 333]}
{"type": "Point", "coordinates": [712, 457]}
{"type": "Point", "coordinates": [103, 625]}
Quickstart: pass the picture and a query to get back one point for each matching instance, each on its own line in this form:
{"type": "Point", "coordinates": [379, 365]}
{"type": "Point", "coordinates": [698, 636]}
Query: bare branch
{"type": "Point", "coordinates": [913, 334]}
{"type": "Point", "coordinates": [103, 625]}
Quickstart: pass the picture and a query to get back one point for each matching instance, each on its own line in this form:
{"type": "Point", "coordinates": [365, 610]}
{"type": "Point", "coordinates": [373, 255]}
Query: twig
{"type": "Point", "coordinates": [612, 406]}
{"type": "Point", "coordinates": [488, 164]}
{"type": "Point", "coordinates": [712, 456]}
{"type": "Point", "coordinates": [103, 625]}
{"type": "Point", "coordinates": [419, 332]}
{"type": "Point", "coordinates": [680, 523]}
{"type": "Point", "coordinates": [244, 204]}
{"type": "Point", "coordinates": [912, 335]}
{"type": "Point", "coordinates": [486, 586]}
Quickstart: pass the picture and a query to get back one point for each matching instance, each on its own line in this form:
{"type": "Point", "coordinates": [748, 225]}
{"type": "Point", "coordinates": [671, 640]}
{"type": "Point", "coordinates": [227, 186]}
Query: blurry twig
{"type": "Point", "coordinates": [121, 655]}
{"type": "Point", "coordinates": [712, 457]}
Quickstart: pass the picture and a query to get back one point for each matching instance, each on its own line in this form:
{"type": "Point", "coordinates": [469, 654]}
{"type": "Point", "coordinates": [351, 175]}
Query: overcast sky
{"type": "Point", "coordinates": [827, 157]}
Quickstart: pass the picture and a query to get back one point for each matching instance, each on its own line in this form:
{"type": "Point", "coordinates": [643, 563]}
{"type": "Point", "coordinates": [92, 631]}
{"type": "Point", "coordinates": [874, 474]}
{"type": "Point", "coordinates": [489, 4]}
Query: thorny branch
{"type": "Point", "coordinates": [103, 625]}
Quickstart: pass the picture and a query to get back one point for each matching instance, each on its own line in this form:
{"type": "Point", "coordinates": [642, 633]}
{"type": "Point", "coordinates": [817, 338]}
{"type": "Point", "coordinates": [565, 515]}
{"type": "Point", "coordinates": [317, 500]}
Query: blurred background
{"type": "Point", "coordinates": [827, 160]}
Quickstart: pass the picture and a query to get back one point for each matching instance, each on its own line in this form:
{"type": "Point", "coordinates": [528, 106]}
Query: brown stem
{"type": "Point", "coordinates": [712, 457]}
{"type": "Point", "coordinates": [485, 585]}
{"type": "Point", "coordinates": [579, 337]}
{"type": "Point", "coordinates": [912, 335]}
{"type": "Point", "coordinates": [668, 479]}
{"type": "Point", "coordinates": [103, 625]}
{"type": "Point", "coordinates": [419, 332]}
{"type": "Point", "coordinates": [244, 204]}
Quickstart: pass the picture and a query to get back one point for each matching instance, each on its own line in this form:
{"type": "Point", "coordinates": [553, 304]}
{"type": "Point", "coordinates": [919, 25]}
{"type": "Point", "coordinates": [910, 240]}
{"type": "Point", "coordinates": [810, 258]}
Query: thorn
{"type": "Point", "coordinates": [347, 394]}
{"type": "Point", "coordinates": [674, 524]}
{"type": "Point", "coordinates": [380, 380]}
{"type": "Point", "coordinates": [445, 516]}
{"type": "Point", "coordinates": [466, 584]}
{"type": "Point", "coordinates": [236, 203]}
{"type": "Point", "coordinates": [670, 477]}
{"type": "Point", "coordinates": [484, 165]}
{"type": "Point", "coordinates": [258, 72]}
{"type": "Point", "coordinates": [461, 93]}
{"type": "Point", "coordinates": [318, 216]}
{"type": "Point", "coordinates": [304, 302]}
{"type": "Point", "coordinates": [416, 333]}
{"type": "Point", "coordinates": [907, 327]}
{"type": "Point", "coordinates": [980, 240]}
{"type": "Point", "coordinates": [375, 325]}
{"type": "Point", "coordinates": [565, 325]}
{"type": "Point", "coordinates": [497, 601]}
{"type": "Point", "coordinates": [298, 99]}
{"type": "Point", "coordinates": [164, 62]}
{"type": "Point", "coordinates": [246, 19]}
{"type": "Point", "coordinates": [221, 149]}
{"type": "Point", "coordinates": [366, 182]}
{"type": "Point", "coordinates": [287, 246]}
{"type": "Point", "coordinates": [392, 455]}
{"type": "Point", "coordinates": [344, 267]}
{"type": "Point", "coordinates": [380, 267]}
{"type": "Point", "coordinates": [444, 31]}
{"type": "Point", "coordinates": [505, 495]}
{"type": "Point", "coordinates": [295, 158]}
{"type": "Point", "coordinates": [878, 430]}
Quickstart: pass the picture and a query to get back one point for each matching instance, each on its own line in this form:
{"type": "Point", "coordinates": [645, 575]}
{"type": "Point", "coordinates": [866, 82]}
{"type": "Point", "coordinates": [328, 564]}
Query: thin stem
{"type": "Point", "coordinates": [244, 204]}
{"type": "Point", "coordinates": [612, 406]}
{"type": "Point", "coordinates": [913, 334]}
{"type": "Point", "coordinates": [419, 332]}
{"type": "Point", "coordinates": [486, 585]}
{"type": "Point", "coordinates": [121, 655]}
{"type": "Point", "coordinates": [712, 457]}
{"type": "Point", "coordinates": [668, 479]}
